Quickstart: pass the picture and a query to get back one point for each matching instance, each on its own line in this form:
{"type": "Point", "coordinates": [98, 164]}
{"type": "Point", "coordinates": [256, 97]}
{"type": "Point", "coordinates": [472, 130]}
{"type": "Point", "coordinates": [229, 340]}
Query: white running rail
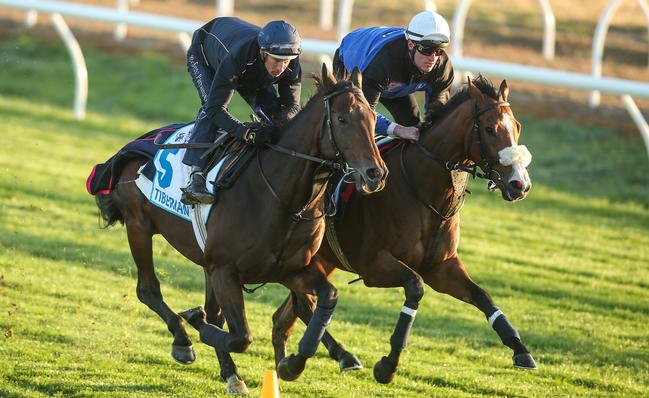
{"type": "Point", "coordinates": [459, 19]}
{"type": "Point", "coordinates": [600, 37]}
{"type": "Point", "coordinates": [184, 27]}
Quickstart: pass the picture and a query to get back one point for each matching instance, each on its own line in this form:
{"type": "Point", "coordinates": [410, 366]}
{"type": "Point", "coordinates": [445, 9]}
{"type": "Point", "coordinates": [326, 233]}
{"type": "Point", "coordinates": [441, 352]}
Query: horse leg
{"type": "Point", "coordinates": [148, 289]}
{"type": "Point", "coordinates": [451, 278]}
{"type": "Point", "coordinates": [387, 271]}
{"type": "Point", "coordinates": [309, 281]}
{"type": "Point", "coordinates": [235, 384]}
{"type": "Point", "coordinates": [302, 306]}
{"type": "Point", "coordinates": [226, 286]}
{"type": "Point", "coordinates": [283, 323]}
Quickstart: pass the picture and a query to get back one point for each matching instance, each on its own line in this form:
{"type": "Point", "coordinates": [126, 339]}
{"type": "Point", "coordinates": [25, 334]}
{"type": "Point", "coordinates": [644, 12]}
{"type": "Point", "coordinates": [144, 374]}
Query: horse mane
{"type": "Point", "coordinates": [318, 95]}
{"type": "Point", "coordinates": [442, 110]}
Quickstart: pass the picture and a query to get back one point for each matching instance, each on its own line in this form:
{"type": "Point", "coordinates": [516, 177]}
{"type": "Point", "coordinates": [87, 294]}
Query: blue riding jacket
{"type": "Point", "coordinates": [382, 54]}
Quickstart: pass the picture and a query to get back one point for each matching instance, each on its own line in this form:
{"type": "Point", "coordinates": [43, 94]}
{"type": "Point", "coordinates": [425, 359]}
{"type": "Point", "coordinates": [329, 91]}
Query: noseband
{"type": "Point", "coordinates": [488, 162]}
{"type": "Point", "coordinates": [489, 173]}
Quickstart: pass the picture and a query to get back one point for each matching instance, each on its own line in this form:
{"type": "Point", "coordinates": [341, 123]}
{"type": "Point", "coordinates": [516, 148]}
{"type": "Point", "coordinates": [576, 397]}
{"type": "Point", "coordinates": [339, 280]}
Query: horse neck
{"type": "Point", "coordinates": [292, 176]}
{"type": "Point", "coordinates": [446, 140]}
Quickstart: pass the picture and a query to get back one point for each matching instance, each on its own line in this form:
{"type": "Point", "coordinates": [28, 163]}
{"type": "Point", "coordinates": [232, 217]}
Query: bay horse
{"type": "Point", "coordinates": [408, 234]}
{"type": "Point", "coordinates": [266, 228]}
{"type": "Point", "coordinates": [411, 230]}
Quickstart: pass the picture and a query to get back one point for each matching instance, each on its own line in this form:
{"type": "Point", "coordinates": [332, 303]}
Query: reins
{"type": "Point", "coordinates": [454, 166]}
{"type": "Point", "coordinates": [319, 181]}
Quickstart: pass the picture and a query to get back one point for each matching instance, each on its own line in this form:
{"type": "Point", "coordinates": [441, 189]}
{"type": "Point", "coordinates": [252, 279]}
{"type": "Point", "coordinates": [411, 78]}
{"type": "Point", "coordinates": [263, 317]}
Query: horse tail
{"type": "Point", "coordinates": [108, 211]}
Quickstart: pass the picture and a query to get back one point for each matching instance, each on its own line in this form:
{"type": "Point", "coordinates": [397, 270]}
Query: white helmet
{"type": "Point", "coordinates": [430, 29]}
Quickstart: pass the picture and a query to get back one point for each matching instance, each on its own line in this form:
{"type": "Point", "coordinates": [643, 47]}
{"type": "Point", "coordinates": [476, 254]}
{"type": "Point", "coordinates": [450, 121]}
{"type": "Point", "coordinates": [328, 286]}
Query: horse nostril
{"type": "Point", "coordinates": [516, 184]}
{"type": "Point", "coordinates": [373, 173]}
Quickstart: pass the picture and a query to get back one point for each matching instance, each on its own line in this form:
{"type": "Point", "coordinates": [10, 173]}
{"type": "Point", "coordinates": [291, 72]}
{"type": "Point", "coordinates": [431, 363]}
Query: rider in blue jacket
{"type": "Point", "coordinates": [228, 55]}
{"type": "Point", "coordinates": [397, 62]}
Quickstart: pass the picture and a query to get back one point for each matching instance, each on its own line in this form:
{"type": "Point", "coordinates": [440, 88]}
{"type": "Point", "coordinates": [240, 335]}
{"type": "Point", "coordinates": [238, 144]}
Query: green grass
{"type": "Point", "coordinates": [568, 265]}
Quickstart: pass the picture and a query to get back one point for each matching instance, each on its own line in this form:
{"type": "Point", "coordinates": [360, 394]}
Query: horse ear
{"type": "Point", "coordinates": [504, 91]}
{"type": "Point", "coordinates": [342, 74]}
{"type": "Point", "coordinates": [327, 77]}
{"type": "Point", "coordinates": [474, 92]}
{"type": "Point", "coordinates": [357, 77]}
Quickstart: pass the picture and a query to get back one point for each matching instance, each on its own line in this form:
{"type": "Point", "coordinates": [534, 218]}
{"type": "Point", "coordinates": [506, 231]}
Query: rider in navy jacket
{"type": "Point", "coordinates": [397, 62]}
{"type": "Point", "coordinates": [227, 55]}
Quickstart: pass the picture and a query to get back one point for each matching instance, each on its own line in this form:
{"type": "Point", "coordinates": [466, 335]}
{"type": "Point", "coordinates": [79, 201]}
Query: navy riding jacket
{"type": "Point", "coordinates": [229, 46]}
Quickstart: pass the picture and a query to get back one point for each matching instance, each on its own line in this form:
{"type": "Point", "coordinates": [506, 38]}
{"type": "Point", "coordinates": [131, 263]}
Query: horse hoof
{"type": "Point", "coordinates": [287, 372]}
{"type": "Point", "coordinates": [184, 355]}
{"type": "Point", "coordinates": [383, 371]}
{"type": "Point", "coordinates": [236, 386]}
{"type": "Point", "coordinates": [349, 362]}
{"type": "Point", "coordinates": [524, 361]}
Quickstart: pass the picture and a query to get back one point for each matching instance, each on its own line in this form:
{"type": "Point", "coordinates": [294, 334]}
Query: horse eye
{"type": "Point", "coordinates": [342, 120]}
{"type": "Point", "coordinates": [490, 131]}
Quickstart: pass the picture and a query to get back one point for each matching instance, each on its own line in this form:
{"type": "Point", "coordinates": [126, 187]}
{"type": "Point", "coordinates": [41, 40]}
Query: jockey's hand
{"type": "Point", "coordinates": [260, 136]}
{"type": "Point", "coordinates": [407, 133]}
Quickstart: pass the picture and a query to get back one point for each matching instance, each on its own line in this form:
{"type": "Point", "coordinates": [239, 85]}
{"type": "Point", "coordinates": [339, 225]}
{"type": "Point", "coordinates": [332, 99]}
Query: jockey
{"type": "Point", "coordinates": [228, 55]}
{"type": "Point", "coordinates": [395, 63]}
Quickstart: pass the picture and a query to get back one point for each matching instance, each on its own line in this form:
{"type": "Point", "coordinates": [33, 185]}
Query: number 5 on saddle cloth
{"type": "Point", "coordinates": [162, 178]}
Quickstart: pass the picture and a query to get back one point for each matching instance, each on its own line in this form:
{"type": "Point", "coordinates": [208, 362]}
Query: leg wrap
{"type": "Point", "coordinates": [314, 331]}
{"type": "Point", "coordinates": [215, 337]}
{"type": "Point", "coordinates": [399, 338]}
{"type": "Point", "coordinates": [501, 325]}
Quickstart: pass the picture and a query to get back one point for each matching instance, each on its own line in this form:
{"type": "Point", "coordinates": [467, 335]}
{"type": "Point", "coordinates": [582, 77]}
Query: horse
{"type": "Point", "coordinates": [267, 227]}
{"type": "Point", "coordinates": [408, 234]}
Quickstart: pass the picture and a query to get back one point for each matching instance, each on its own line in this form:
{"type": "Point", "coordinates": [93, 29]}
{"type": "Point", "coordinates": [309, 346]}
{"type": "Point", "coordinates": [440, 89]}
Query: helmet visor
{"type": "Point", "coordinates": [283, 50]}
{"type": "Point", "coordinates": [281, 56]}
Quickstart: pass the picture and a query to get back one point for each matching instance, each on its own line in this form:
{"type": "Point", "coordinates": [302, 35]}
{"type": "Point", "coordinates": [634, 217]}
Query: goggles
{"type": "Point", "coordinates": [428, 50]}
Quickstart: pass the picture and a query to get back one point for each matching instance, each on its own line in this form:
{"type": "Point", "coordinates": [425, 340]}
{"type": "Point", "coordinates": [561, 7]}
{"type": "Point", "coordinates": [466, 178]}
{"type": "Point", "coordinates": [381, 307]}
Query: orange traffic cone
{"type": "Point", "coordinates": [270, 388]}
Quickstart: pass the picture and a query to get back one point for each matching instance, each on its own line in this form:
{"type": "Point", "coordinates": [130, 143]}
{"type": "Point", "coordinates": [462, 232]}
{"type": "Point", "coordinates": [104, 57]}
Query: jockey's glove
{"type": "Point", "coordinates": [260, 136]}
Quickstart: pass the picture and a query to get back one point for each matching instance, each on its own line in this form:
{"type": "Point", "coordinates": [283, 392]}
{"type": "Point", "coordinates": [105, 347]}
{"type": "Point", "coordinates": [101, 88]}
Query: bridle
{"type": "Point", "coordinates": [488, 171]}
{"type": "Point", "coordinates": [339, 162]}
{"type": "Point", "coordinates": [320, 176]}
{"type": "Point", "coordinates": [488, 162]}
{"type": "Point", "coordinates": [325, 168]}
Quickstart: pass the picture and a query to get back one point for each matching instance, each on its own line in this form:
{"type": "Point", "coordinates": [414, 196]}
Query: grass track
{"type": "Point", "coordinates": [569, 265]}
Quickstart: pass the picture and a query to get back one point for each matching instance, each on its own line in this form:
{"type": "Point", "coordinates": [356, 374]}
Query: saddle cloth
{"type": "Point", "coordinates": [343, 189]}
{"type": "Point", "coordinates": [171, 174]}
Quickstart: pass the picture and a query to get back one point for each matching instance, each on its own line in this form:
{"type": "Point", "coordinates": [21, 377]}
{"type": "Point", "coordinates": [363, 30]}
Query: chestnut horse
{"type": "Point", "coordinates": [266, 228]}
{"type": "Point", "coordinates": [411, 230]}
{"type": "Point", "coordinates": [408, 234]}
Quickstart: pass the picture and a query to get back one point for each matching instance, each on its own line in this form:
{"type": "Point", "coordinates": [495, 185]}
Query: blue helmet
{"type": "Point", "coordinates": [280, 39]}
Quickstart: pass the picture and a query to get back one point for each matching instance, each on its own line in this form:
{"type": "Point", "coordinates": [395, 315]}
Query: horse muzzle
{"type": "Point", "coordinates": [370, 180]}
{"type": "Point", "coordinates": [513, 188]}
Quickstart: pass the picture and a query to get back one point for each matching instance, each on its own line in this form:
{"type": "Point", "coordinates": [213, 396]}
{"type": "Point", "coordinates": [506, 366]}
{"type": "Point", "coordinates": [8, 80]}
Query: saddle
{"type": "Point", "coordinates": [237, 155]}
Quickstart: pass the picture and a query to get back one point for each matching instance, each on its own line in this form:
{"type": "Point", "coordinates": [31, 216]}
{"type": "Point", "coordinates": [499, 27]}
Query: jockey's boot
{"type": "Point", "coordinates": [196, 192]}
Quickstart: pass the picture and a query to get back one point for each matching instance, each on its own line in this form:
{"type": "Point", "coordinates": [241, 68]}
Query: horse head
{"type": "Point", "coordinates": [492, 140]}
{"type": "Point", "coordinates": [349, 130]}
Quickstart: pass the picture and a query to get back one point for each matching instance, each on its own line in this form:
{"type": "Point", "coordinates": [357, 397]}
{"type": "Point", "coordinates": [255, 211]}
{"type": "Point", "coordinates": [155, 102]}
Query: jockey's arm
{"type": "Point", "coordinates": [372, 91]}
{"type": "Point", "coordinates": [216, 108]}
{"type": "Point", "coordinates": [438, 91]}
{"type": "Point", "coordinates": [290, 89]}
